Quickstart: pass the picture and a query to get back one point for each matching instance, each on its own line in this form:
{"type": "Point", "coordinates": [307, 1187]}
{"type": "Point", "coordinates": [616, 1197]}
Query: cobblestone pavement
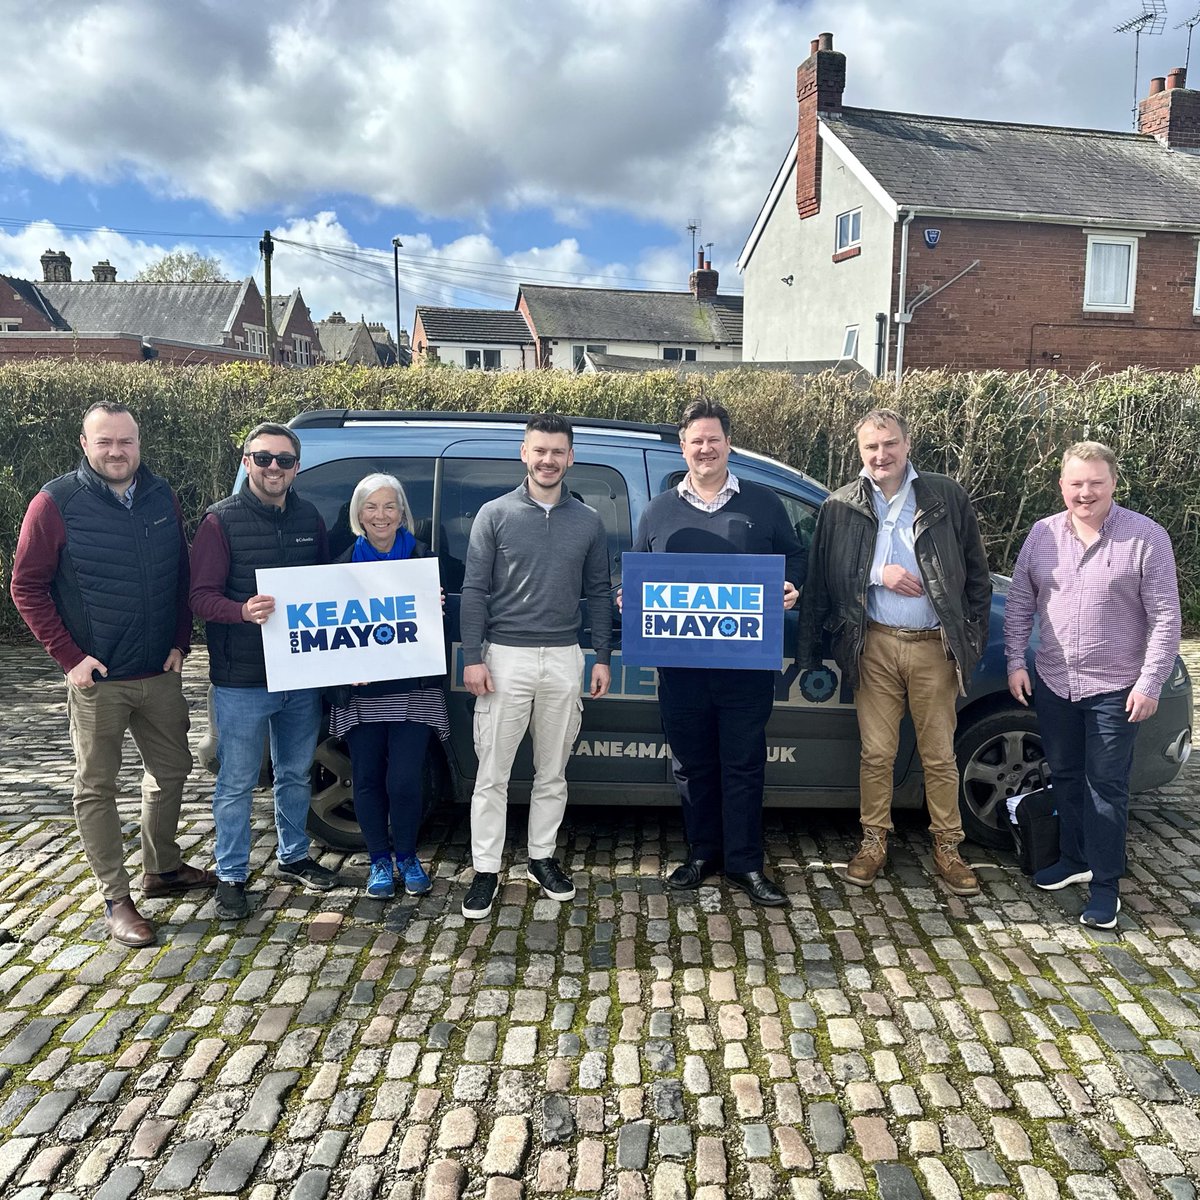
{"type": "Point", "coordinates": [894, 1042]}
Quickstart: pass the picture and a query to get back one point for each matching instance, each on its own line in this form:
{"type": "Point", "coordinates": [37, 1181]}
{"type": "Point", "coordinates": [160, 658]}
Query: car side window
{"type": "Point", "coordinates": [330, 486]}
{"type": "Point", "coordinates": [469, 483]}
{"type": "Point", "coordinates": [801, 514]}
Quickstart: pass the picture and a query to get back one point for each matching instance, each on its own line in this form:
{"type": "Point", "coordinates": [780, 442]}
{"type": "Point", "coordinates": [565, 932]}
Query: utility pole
{"type": "Point", "coordinates": [266, 249]}
{"type": "Point", "coordinates": [396, 244]}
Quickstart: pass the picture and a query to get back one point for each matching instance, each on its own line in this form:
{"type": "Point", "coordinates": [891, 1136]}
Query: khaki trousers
{"type": "Point", "coordinates": [897, 668]}
{"type": "Point", "coordinates": [537, 688]}
{"type": "Point", "coordinates": [156, 713]}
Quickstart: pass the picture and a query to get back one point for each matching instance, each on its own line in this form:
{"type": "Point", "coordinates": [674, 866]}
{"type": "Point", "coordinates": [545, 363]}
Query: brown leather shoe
{"type": "Point", "coordinates": [871, 857]}
{"type": "Point", "coordinates": [957, 876]}
{"type": "Point", "coordinates": [175, 883]}
{"type": "Point", "coordinates": [126, 925]}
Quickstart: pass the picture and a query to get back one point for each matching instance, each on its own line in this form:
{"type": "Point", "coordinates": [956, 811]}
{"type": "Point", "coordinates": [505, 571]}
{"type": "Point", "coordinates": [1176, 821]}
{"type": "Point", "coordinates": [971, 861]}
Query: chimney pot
{"type": "Point", "coordinates": [104, 272]}
{"type": "Point", "coordinates": [708, 264]}
{"type": "Point", "coordinates": [1176, 78]}
{"type": "Point", "coordinates": [814, 46]}
{"type": "Point", "coordinates": [825, 41]}
{"type": "Point", "coordinates": [1157, 84]}
{"type": "Point", "coordinates": [699, 260]}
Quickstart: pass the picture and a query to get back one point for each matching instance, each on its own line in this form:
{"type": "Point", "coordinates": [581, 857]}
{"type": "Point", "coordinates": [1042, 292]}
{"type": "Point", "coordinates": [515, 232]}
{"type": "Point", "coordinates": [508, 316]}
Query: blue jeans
{"type": "Point", "coordinates": [1089, 746]}
{"type": "Point", "coordinates": [244, 718]}
{"type": "Point", "coordinates": [386, 759]}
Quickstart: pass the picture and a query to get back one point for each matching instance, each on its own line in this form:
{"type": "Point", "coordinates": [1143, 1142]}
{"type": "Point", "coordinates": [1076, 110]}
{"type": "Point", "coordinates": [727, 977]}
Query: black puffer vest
{"type": "Point", "coordinates": [118, 575]}
{"type": "Point", "coordinates": [259, 536]}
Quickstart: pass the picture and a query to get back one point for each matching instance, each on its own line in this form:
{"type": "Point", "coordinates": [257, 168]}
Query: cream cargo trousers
{"type": "Point", "coordinates": [536, 688]}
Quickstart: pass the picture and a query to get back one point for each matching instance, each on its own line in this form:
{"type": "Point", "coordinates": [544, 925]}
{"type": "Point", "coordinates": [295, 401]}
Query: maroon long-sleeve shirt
{"type": "Point", "coordinates": [35, 564]}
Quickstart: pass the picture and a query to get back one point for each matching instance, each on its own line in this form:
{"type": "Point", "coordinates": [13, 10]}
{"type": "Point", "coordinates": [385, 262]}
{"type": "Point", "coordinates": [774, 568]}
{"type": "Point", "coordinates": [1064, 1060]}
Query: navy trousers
{"type": "Point", "coordinates": [1089, 746]}
{"type": "Point", "coordinates": [716, 723]}
{"type": "Point", "coordinates": [386, 758]}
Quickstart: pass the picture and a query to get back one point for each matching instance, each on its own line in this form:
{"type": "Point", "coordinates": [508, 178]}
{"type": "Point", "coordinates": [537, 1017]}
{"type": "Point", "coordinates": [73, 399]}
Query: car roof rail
{"type": "Point", "coordinates": [337, 418]}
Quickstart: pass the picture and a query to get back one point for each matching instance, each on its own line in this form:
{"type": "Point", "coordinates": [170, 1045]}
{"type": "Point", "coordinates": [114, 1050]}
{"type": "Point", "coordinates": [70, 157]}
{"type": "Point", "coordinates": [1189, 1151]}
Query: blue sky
{"type": "Point", "coordinates": [571, 141]}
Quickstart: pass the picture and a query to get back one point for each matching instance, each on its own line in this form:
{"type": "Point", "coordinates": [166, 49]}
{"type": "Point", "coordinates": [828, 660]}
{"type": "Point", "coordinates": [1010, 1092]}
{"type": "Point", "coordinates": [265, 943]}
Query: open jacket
{"type": "Point", "coordinates": [950, 556]}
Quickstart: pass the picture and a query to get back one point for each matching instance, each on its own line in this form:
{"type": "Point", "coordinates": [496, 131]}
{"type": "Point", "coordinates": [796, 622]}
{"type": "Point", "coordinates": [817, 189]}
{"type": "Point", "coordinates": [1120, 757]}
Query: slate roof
{"type": "Point", "coordinates": [352, 341]}
{"type": "Point", "coordinates": [631, 315]}
{"type": "Point", "coordinates": [1002, 167]}
{"type": "Point", "coordinates": [200, 313]}
{"type": "Point", "coordinates": [493, 325]}
{"type": "Point", "coordinates": [28, 291]}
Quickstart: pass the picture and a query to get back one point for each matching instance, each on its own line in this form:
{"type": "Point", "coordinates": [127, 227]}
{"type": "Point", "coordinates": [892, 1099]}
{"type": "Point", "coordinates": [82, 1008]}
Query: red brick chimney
{"type": "Point", "coordinates": [820, 81]}
{"type": "Point", "coordinates": [1171, 112]}
{"type": "Point", "coordinates": [56, 267]}
{"type": "Point", "coordinates": [703, 280]}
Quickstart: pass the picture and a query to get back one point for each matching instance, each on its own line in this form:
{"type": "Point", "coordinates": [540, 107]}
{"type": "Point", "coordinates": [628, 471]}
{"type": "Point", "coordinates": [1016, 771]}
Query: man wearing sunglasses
{"type": "Point", "coordinates": [264, 524]}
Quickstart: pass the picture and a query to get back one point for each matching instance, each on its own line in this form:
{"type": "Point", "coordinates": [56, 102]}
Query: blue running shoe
{"type": "Point", "coordinates": [416, 882]}
{"type": "Point", "coordinates": [1060, 875]}
{"type": "Point", "coordinates": [1102, 908]}
{"type": "Point", "coordinates": [380, 882]}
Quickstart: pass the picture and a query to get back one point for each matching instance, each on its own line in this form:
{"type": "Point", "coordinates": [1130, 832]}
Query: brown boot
{"type": "Point", "coordinates": [126, 925]}
{"type": "Point", "coordinates": [871, 857]}
{"type": "Point", "coordinates": [957, 876]}
{"type": "Point", "coordinates": [184, 878]}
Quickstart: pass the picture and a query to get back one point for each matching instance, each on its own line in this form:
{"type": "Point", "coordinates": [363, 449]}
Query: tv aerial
{"type": "Point", "coordinates": [1151, 20]}
{"type": "Point", "coordinates": [1190, 24]}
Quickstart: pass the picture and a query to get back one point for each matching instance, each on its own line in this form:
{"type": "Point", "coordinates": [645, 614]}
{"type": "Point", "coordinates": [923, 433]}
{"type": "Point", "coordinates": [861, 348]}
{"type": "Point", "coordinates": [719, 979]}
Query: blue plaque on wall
{"type": "Point", "coordinates": [703, 610]}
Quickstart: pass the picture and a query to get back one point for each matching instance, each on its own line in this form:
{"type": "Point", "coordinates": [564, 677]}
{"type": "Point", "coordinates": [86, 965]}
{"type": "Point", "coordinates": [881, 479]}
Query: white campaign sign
{"type": "Point", "coordinates": [352, 623]}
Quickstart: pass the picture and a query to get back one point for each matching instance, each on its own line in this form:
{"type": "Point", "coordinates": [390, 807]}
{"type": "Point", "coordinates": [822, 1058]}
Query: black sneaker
{"type": "Point", "coordinates": [310, 875]}
{"type": "Point", "coordinates": [232, 902]}
{"type": "Point", "coordinates": [553, 881]}
{"type": "Point", "coordinates": [478, 901]}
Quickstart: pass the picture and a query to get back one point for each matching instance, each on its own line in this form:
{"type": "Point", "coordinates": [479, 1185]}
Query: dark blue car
{"type": "Point", "coordinates": [451, 464]}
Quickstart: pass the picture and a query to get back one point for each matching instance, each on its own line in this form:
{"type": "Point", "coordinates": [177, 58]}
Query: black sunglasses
{"type": "Point", "coordinates": [262, 458]}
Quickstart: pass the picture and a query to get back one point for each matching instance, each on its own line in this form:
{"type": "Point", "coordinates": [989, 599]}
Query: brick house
{"type": "Point", "coordinates": [297, 338]}
{"type": "Point", "coordinates": [482, 339]}
{"type": "Point", "coordinates": [137, 321]}
{"type": "Point", "coordinates": [905, 241]}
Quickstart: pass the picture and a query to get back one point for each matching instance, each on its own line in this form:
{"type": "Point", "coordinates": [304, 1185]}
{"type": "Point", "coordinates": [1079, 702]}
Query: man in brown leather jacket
{"type": "Point", "coordinates": [899, 578]}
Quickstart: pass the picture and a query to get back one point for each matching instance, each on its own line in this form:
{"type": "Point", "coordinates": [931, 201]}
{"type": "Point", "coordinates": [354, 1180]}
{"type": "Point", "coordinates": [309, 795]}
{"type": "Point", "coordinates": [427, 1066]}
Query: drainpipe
{"type": "Point", "coordinates": [903, 316]}
{"type": "Point", "coordinates": [880, 344]}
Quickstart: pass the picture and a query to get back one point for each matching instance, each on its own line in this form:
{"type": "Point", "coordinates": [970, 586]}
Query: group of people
{"type": "Point", "coordinates": [895, 583]}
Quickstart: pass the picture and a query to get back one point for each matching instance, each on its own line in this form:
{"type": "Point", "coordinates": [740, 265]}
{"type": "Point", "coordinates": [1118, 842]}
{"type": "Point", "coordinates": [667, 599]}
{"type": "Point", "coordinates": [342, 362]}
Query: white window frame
{"type": "Point", "coordinates": [1112, 239]}
{"type": "Point", "coordinates": [468, 364]}
{"type": "Point", "coordinates": [852, 239]}
{"type": "Point", "coordinates": [850, 342]}
{"type": "Point", "coordinates": [497, 362]}
{"type": "Point", "coordinates": [10, 324]}
{"type": "Point", "coordinates": [1196, 291]}
{"type": "Point", "coordinates": [256, 339]}
{"type": "Point", "coordinates": [302, 352]}
{"type": "Point", "coordinates": [578, 351]}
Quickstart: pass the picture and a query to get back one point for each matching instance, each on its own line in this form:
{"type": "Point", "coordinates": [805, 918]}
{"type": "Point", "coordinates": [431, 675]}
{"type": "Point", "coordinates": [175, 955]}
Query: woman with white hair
{"type": "Point", "coordinates": [387, 725]}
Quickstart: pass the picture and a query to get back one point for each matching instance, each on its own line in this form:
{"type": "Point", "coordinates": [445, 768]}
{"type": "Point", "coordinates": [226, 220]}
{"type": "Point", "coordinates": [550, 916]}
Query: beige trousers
{"type": "Point", "coordinates": [898, 668]}
{"type": "Point", "coordinates": [156, 713]}
{"type": "Point", "coordinates": [537, 688]}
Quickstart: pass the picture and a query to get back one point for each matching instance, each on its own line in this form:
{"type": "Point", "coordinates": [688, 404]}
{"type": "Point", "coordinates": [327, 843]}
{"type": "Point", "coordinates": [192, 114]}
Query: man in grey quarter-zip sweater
{"type": "Point", "coordinates": [533, 552]}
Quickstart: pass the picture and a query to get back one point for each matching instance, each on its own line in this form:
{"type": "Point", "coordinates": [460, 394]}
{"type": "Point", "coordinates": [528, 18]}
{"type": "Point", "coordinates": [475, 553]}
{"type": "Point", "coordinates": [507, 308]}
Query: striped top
{"type": "Point", "coordinates": [1108, 612]}
{"type": "Point", "coordinates": [424, 706]}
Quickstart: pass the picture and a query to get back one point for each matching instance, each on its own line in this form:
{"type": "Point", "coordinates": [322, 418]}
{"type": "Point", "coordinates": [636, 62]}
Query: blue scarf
{"type": "Point", "coordinates": [402, 547]}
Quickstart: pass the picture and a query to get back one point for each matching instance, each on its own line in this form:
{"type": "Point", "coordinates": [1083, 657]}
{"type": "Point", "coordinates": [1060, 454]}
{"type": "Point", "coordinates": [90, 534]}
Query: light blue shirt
{"type": "Point", "coordinates": [895, 543]}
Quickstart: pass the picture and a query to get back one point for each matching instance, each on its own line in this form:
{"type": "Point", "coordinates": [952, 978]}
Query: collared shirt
{"type": "Point", "coordinates": [717, 503]}
{"type": "Point", "coordinates": [126, 498]}
{"type": "Point", "coordinates": [896, 543]}
{"type": "Point", "coordinates": [1108, 612]}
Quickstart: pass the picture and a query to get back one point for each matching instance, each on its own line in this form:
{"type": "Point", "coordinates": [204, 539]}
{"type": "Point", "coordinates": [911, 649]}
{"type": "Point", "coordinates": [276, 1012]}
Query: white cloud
{"type": "Point", "coordinates": [664, 111]}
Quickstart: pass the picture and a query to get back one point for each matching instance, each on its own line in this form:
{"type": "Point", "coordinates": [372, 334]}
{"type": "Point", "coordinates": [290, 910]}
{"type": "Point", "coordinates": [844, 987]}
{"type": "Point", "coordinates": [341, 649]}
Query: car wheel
{"type": "Point", "coordinates": [331, 815]}
{"type": "Point", "coordinates": [999, 755]}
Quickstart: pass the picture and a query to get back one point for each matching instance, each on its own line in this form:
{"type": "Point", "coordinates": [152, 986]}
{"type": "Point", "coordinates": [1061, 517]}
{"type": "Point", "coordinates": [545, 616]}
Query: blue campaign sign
{"type": "Point", "coordinates": [703, 610]}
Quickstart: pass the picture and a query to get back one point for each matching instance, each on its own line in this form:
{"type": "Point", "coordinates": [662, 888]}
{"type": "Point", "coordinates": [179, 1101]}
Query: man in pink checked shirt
{"type": "Point", "coordinates": [1101, 580]}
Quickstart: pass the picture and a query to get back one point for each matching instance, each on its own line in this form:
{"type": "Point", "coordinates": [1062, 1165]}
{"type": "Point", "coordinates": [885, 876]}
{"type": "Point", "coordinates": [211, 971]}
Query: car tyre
{"type": "Point", "coordinates": [999, 755]}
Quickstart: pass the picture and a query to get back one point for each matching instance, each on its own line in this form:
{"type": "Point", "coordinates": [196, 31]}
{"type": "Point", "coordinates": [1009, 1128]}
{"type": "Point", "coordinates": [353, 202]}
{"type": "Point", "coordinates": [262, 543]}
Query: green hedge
{"type": "Point", "coordinates": [1000, 434]}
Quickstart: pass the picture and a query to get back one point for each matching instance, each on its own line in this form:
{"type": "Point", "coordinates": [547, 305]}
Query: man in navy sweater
{"type": "Point", "coordinates": [716, 718]}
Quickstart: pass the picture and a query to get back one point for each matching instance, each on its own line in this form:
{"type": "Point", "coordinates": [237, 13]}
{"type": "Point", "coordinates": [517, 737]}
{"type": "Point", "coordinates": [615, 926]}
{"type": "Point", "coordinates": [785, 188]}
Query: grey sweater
{"type": "Point", "coordinates": [526, 570]}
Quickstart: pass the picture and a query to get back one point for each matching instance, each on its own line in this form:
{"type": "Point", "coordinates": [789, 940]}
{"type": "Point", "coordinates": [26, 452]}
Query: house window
{"type": "Point", "coordinates": [850, 342]}
{"type": "Point", "coordinates": [1111, 273]}
{"type": "Point", "coordinates": [1196, 295]}
{"type": "Point", "coordinates": [849, 230]}
{"type": "Point", "coordinates": [302, 352]}
{"type": "Point", "coordinates": [13, 326]}
{"type": "Point", "coordinates": [577, 353]}
{"type": "Point", "coordinates": [256, 340]}
{"type": "Point", "coordinates": [491, 360]}
{"type": "Point", "coordinates": [678, 354]}
{"type": "Point", "coordinates": [473, 360]}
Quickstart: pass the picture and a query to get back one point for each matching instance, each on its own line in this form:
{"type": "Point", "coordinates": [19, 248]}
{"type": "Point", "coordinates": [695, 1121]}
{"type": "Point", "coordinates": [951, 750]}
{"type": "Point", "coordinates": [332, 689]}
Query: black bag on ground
{"type": "Point", "coordinates": [1035, 833]}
